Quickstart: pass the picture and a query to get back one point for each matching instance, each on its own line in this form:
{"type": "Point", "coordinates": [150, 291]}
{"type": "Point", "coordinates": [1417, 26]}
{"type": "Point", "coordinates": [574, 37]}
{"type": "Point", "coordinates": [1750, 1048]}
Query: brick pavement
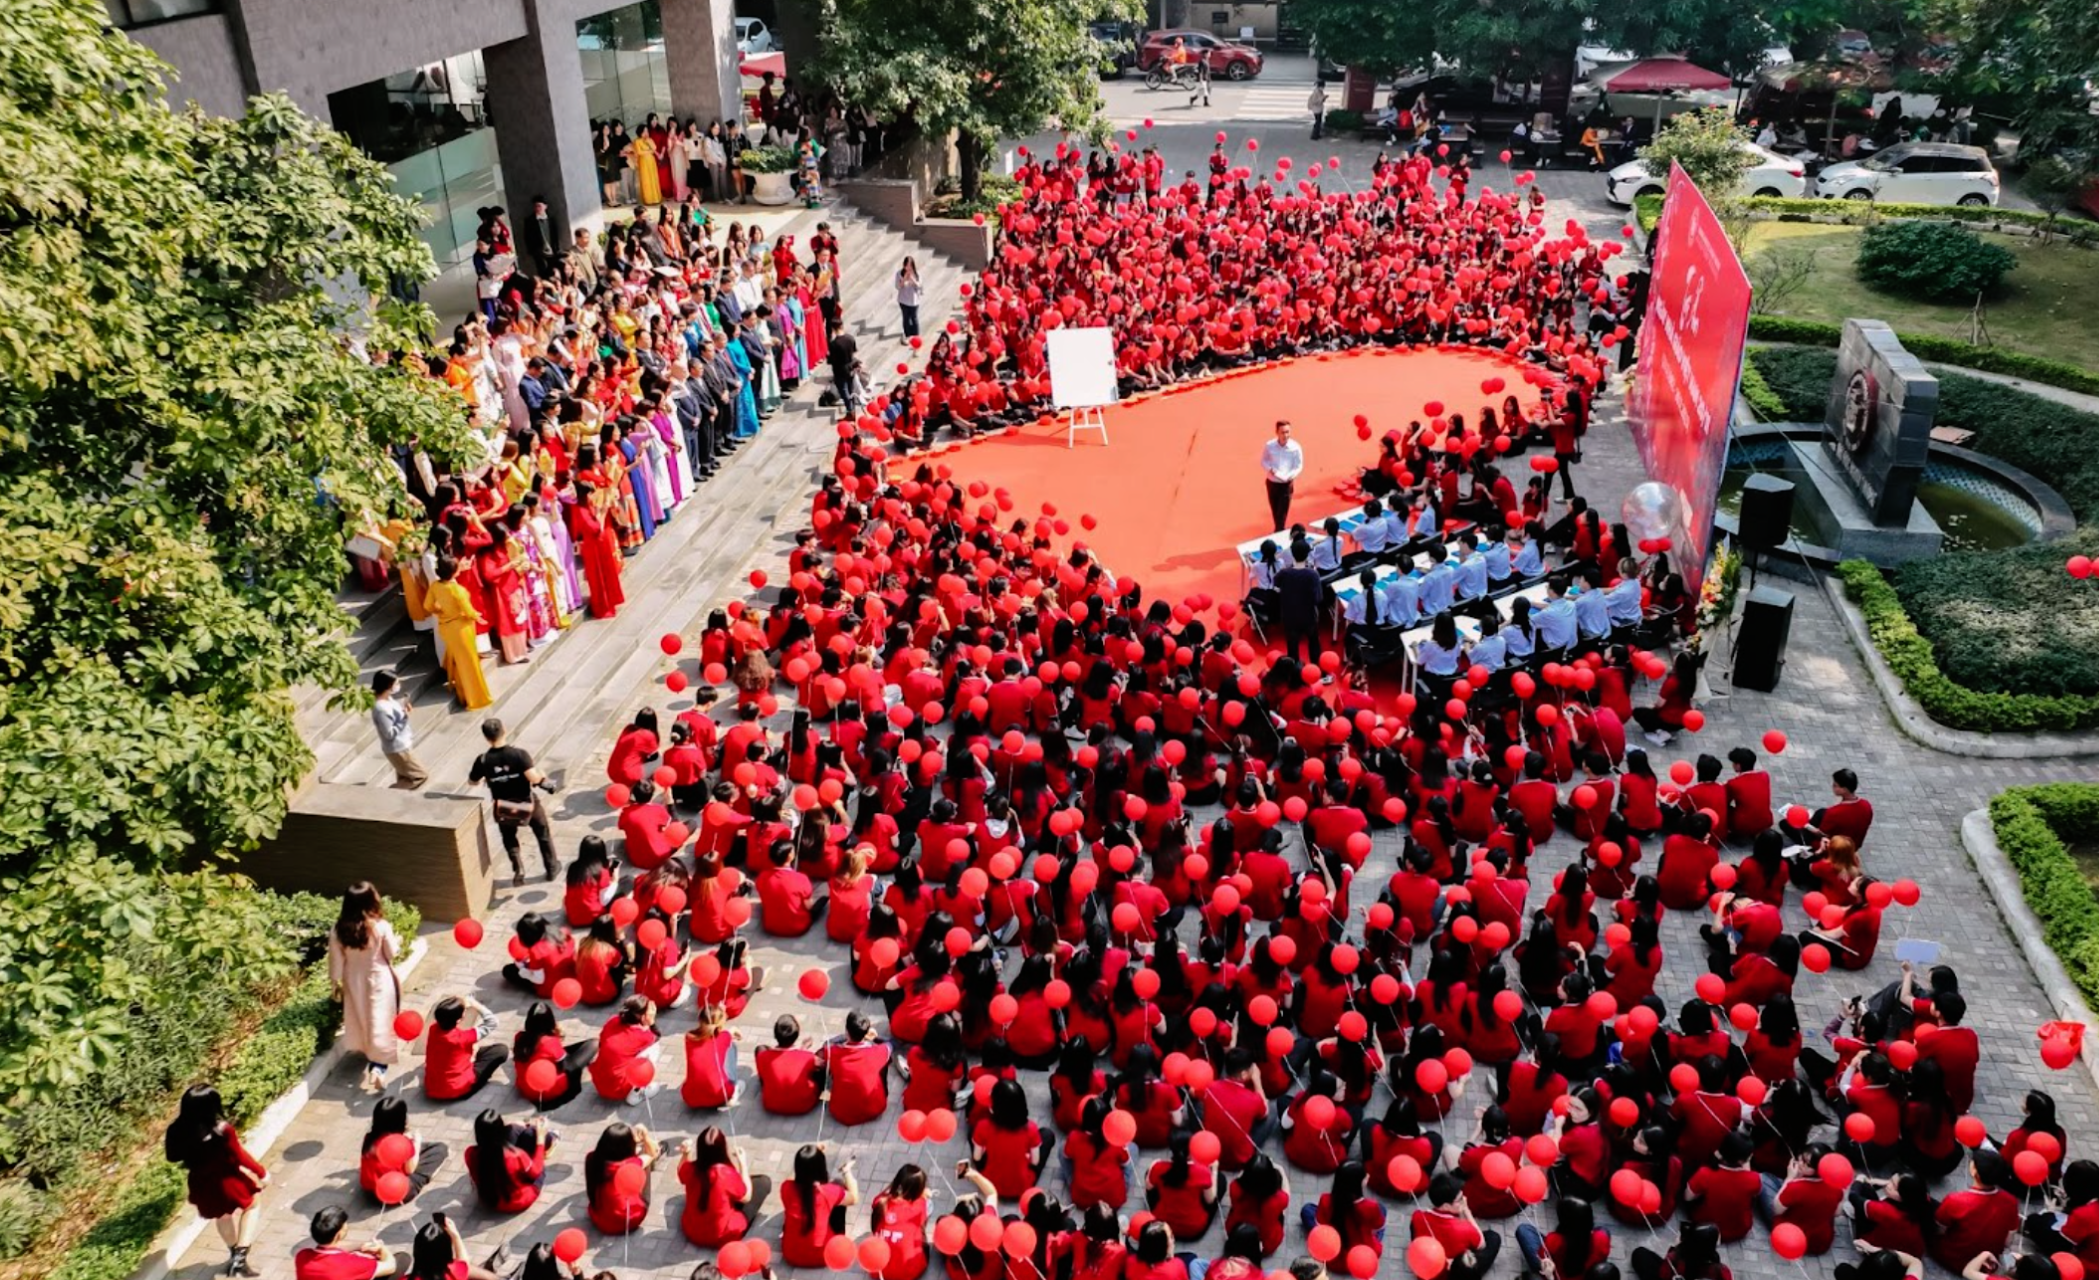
{"type": "Point", "coordinates": [1825, 704]}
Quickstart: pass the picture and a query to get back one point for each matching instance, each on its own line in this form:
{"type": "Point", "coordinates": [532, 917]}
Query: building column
{"type": "Point", "coordinates": [699, 49]}
{"type": "Point", "coordinates": [543, 141]}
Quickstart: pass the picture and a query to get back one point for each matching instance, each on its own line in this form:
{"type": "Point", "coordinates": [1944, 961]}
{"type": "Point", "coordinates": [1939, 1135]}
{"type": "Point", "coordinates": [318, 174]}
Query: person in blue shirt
{"type": "Point", "coordinates": [1500, 566]}
{"type": "Point", "coordinates": [1472, 569]}
{"type": "Point", "coordinates": [1364, 609]}
{"type": "Point", "coordinates": [1438, 657]}
{"type": "Point", "coordinates": [1439, 584]}
{"type": "Point", "coordinates": [1491, 650]}
{"type": "Point", "coordinates": [1592, 618]}
{"type": "Point", "coordinates": [1622, 600]}
{"type": "Point", "coordinates": [1326, 552]}
{"type": "Point", "coordinates": [1401, 599]}
{"type": "Point", "coordinates": [1261, 573]}
{"type": "Point", "coordinates": [1370, 534]}
{"type": "Point", "coordinates": [1529, 559]}
{"type": "Point", "coordinates": [1555, 622]}
{"type": "Point", "coordinates": [1423, 523]}
{"type": "Point", "coordinates": [1520, 637]}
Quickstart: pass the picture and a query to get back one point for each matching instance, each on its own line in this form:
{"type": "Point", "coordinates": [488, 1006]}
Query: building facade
{"type": "Point", "coordinates": [471, 103]}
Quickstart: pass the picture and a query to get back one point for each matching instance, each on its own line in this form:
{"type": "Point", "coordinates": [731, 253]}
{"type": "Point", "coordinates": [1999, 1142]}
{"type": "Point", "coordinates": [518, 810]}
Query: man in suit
{"type": "Point", "coordinates": [696, 413]}
{"type": "Point", "coordinates": [1297, 588]}
{"type": "Point", "coordinates": [540, 240]}
{"type": "Point", "coordinates": [585, 260]}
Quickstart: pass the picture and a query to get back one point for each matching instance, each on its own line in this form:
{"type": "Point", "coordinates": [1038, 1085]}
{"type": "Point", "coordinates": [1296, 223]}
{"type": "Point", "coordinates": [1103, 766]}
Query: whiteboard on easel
{"type": "Point", "coordinates": [1082, 368]}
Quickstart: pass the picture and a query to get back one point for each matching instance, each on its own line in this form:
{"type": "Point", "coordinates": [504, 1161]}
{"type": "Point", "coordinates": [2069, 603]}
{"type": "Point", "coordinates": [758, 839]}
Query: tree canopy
{"type": "Point", "coordinates": [984, 68]}
{"type": "Point", "coordinates": [188, 431]}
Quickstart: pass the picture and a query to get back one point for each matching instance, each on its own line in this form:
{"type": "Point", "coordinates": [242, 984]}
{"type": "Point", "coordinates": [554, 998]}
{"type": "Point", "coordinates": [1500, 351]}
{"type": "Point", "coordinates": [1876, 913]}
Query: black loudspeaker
{"type": "Point", "coordinates": [1760, 642]}
{"type": "Point", "coordinates": [1767, 511]}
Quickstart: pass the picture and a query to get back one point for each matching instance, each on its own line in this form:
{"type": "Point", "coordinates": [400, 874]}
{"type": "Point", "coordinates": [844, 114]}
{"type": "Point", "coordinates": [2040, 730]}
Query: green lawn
{"type": "Point", "coordinates": [2044, 307]}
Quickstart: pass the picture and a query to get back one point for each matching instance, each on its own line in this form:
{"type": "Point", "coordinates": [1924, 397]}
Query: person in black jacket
{"type": "Point", "coordinates": [1297, 588]}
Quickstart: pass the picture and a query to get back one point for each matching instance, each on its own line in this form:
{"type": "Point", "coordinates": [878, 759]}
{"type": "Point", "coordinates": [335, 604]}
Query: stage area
{"type": "Point", "coordinates": [1179, 484]}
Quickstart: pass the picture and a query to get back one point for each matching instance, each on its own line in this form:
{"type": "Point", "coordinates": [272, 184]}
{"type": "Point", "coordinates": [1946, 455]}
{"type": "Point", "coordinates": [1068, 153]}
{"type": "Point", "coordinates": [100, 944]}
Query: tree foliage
{"type": "Point", "coordinates": [985, 69]}
{"type": "Point", "coordinates": [186, 432]}
{"type": "Point", "coordinates": [1708, 144]}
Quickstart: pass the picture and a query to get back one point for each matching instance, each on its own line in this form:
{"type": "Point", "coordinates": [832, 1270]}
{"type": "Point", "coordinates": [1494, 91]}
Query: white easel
{"type": "Point", "coordinates": [1082, 379]}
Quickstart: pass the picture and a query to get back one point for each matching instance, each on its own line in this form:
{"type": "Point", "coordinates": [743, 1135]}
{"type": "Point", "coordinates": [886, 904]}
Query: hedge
{"type": "Point", "coordinates": [1924, 346]}
{"type": "Point", "coordinates": [2008, 621]}
{"type": "Point", "coordinates": [1909, 655]}
{"type": "Point", "coordinates": [2032, 826]}
{"type": "Point", "coordinates": [1763, 401]}
{"type": "Point", "coordinates": [1648, 210]}
{"type": "Point", "coordinates": [255, 1072]}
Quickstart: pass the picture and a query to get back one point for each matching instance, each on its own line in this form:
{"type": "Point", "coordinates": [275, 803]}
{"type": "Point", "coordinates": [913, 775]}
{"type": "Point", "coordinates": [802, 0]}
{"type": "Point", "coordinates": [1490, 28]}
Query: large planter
{"type": "Point", "coordinates": [772, 188]}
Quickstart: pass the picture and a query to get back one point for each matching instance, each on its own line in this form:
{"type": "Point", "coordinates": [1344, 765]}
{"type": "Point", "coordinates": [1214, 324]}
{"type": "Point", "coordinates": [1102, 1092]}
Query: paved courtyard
{"type": "Point", "coordinates": [1825, 704]}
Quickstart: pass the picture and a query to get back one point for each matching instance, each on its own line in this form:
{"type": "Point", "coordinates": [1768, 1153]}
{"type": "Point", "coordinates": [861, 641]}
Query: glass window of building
{"type": "Point", "coordinates": [625, 74]}
{"type": "Point", "coordinates": [430, 126]}
{"type": "Point", "coordinates": [128, 15]}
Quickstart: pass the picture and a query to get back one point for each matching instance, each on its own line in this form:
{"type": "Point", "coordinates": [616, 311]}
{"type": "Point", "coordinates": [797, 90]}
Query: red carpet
{"type": "Point", "coordinates": [1178, 485]}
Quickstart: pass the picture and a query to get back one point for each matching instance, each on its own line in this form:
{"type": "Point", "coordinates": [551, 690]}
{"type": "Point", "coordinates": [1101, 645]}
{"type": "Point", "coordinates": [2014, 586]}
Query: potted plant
{"type": "Point", "coordinates": [772, 174]}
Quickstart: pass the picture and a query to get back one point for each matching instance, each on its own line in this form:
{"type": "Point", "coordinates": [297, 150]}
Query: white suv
{"type": "Point", "coordinates": [1915, 173]}
{"type": "Point", "coordinates": [752, 37]}
{"type": "Point", "coordinates": [1770, 175]}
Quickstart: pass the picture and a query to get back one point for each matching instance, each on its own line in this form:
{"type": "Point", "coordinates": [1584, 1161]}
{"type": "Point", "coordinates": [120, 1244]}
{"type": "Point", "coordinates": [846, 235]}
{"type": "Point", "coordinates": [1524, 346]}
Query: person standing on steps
{"type": "Point", "coordinates": [909, 291]}
{"type": "Point", "coordinates": [512, 782]}
{"type": "Point", "coordinates": [1281, 460]}
{"type": "Point", "coordinates": [390, 710]}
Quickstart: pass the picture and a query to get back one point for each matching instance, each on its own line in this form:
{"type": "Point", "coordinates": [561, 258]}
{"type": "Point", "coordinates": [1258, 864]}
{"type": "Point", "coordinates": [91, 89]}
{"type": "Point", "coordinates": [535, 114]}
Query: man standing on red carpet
{"type": "Point", "coordinates": [1281, 458]}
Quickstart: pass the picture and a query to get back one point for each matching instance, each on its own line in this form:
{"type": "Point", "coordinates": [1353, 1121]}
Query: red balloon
{"type": "Point", "coordinates": [813, 984]}
{"type": "Point", "coordinates": [408, 1024]}
{"type": "Point", "coordinates": [541, 1078]}
{"type": "Point", "coordinates": [567, 992]}
{"type": "Point", "coordinates": [468, 933]}
{"type": "Point", "coordinates": [630, 1179]}
{"type": "Point", "coordinates": [1323, 1242]}
{"type": "Point", "coordinates": [1970, 1131]}
{"type": "Point", "coordinates": [1774, 742]}
{"type": "Point", "coordinates": [1427, 1258]}
{"type": "Point", "coordinates": [1859, 1127]}
{"type": "Point", "coordinates": [1788, 1241]}
{"type": "Point", "coordinates": [838, 1252]}
{"type": "Point", "coordinates": [569, 1244]}
{"type": "Point", "coordinates": [2030, 1168]}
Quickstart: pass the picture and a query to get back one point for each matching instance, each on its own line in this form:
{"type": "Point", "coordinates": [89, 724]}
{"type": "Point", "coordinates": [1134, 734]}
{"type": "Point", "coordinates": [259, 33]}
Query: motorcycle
{"type": "Point", "coordinates": [1163, 75]}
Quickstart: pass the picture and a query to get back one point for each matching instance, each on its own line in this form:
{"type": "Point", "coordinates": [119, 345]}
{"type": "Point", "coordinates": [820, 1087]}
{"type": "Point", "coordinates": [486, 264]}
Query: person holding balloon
{"type": "Point", "coordinates": [616, 1177]}
{"type": "Point", "coordinates": [812, 1206]}
{"type": "Point", "coordinates": [1445, 1238]}
{"type": "Point", "coordinates": [459, 1057]}
{"type": "Point", "coordinates": [897, 1220]}
{"type": "Point", "coordinates": [440, 1254]}
{"type": "Point", "coordinates": [396, 1164]}
{"type": "Point", "coordinates": [508, 1163]}
{"type": "Point", "coordinates": [327, 1258]}
{"type": "Point", "coordinates": [549, 1074]}
{"type": "Point", "coordinates": [721, 1194]}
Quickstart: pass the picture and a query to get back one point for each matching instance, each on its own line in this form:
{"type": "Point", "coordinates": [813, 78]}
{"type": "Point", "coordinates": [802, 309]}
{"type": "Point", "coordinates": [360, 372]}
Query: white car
{"type": "Point", "coordinates": [753, 37]}
{"type": "Point", "coordinates": [1771, 175]}
{"type": "Point", "coordinates": [1915, 173]}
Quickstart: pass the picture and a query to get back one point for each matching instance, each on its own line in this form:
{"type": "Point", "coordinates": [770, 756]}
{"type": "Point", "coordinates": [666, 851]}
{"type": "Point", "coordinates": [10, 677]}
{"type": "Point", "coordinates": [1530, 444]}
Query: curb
{"type": "Point", "coordinates": [2002, 880]}
{"type": "Point", "coordinates": [1918, 725]}
{"type": "Point", "coordinates": [271, 1125]}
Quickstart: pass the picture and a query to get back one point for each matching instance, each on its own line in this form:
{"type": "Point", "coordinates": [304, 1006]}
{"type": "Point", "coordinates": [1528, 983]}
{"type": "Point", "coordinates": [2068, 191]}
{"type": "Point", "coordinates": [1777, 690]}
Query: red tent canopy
{"type": "Point", "coordinates": [1662, 75]}
{"type": "Point", "coordinates": [757, 66]}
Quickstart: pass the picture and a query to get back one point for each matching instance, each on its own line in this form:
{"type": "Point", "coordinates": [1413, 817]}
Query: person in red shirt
{"type": "Point", "coordinates": [1096, 1170]}
{"type": "Point", "coordinates": [1485, 1199]}
{"type": "Point", "coordinates": [327, 1259]}
{"type": "Point", "coordinates": [1748, 796]}
{"type": "Point", "coordinates": [812, 1207]}
{"type": "Point", "coordinates": [857, 1069]}
{"type": "Point", "coordinates": [898, 1219]}
{"type": "Point", "coordinates": [720, 1191]}
{"type": "Point", "coordinates": [1706, 1115]}
{"type": "Point", "coordinates": [1708, 795]}
{"type": "Point", "coordinates": [1953, 1046]}
{"type": "Point", "coordinates": [603, 963]}
{"type": "Point", "coordinates": [790, 1077]}
{"type": "Point", "coordinates": [1688, 859]}
{"type": "Point", "coordinates": [1152, 1257]}
{"type": "Point", "coordinates": [223, 1179]}
{"type": "Point", "coordinates": [627, 1042]}
{"type": "Point", "coordinates": [1980, 1218]}
{"type": "Point", "coordinates": [1009, 1147]}
{"type": "Point", "coordinates": [591, 883]}
{"type": "Point", "coordinates": [617, 1206]}
{"type": "Point", "coordinates": [787, 900]}
{"type": "Point", "coordinates": [1803, 1199]}
{"type": "Point", "coordinates": [1851, 816]}
{"type": "Point", "coordinates": [1448, 1220]}
{"type": "Point", "coordinates": [1182, 1192]}
{"type": "Point", "coordinates": [508, 1162]}
{"type": "Point", "coordinates": [458, 1058]}
{"type": "Point", "coordinates": [1725, 1195]}
{"type": "Point", "coordinates": [637, 745]}
{"type": "Point", "coordinates": [544, 955]}
{"type": "Point", "coordinates": [408, 1155]}
{"type": "Point", "coordinates": [1574, 1245]}
{"type": "Point", "coordinates": [1235, 1109]}
{"type": "Point", "coordinates": [710, 1062]}
{"type": "Point", "coordinates": [646, 827]}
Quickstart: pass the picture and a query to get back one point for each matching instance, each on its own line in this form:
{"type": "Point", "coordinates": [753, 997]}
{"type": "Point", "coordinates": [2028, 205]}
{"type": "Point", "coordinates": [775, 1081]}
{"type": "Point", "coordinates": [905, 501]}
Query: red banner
{"type": "Point", "coordinates": [1690, 362]}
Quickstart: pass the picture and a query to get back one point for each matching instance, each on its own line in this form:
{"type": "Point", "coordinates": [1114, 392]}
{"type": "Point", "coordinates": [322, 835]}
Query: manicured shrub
{"type": "Point", "coordinates": [1924, 346]}
{"type": "Point", "coordinates": [2007, 621]}
{"type": "Point", "coordinates": [1909, 655]}
{"type": "Point", "coordinates": [2032, 825]}
{"type": "Point", "coordinates": [1933, 260]}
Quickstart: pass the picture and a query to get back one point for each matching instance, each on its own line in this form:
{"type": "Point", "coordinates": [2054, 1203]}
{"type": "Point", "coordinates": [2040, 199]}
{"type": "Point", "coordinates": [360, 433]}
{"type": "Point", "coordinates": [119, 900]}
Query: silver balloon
{"type": "Point", "coordinates": [1650, 511]}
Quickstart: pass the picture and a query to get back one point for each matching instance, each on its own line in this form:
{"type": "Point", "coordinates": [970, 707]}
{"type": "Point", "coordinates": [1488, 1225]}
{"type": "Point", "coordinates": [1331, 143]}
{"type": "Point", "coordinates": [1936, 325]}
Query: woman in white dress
{"type": "Point", "coordinates": [508, 357]}
{"type": "Point", "coordinates": [361, 953]}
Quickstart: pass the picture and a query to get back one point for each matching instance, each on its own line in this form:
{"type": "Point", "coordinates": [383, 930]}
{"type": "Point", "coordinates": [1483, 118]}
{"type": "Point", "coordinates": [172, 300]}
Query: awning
{"type": "Point", "coordinates": [1662, 75]}
{"type": "Point", "coordinates": [756, 67]}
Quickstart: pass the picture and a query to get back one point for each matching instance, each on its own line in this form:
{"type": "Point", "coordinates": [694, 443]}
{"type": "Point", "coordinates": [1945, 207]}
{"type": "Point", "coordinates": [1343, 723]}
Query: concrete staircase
{"type": "Point", "coordinates": [566, 703]}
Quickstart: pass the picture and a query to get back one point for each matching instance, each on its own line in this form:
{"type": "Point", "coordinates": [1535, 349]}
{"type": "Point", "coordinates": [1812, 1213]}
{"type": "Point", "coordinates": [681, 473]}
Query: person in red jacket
{"type": "Point", "coordinates": [721, 1193]}
{"type": "Point", "coordinates": [788, 903]}
{"type": "Point", "coordinates": [543, 953]}
{"type": "Point", "coordinates": [1724, 1195]}
{"type": "Point", "coordinates": [1448, 1220]}
{"type": "Point", "coordinates": [458, 1057]}
{"type": "Point", "coordinates": [1979, 1219]}
{"type": "Point", "coordinates": [1748, 796]}
{"type": "Point", "coordinates": [405, 1154]}
{"type": "Point", "coordinates": [857, 1069]}
{"type": "Point", "coordinates": [1803, 1199]}
{"type": "Point", "coordinates": [617, 1205]}
{"type": "Point", "coordinates": [508, 1162]}
{"type": "Point", "coordinates": [625, 1068]}
{"type": "Point", "coordinates": [1008, 1146]}
{"type": "Point", "coordinates": [224, 1180]}
{"type": "Point", "coordinates": [647, 827]}
{"type": "Point", "coordinates": [1688, 859]}
{"type": "Point", "coordinates": [790, 1077]}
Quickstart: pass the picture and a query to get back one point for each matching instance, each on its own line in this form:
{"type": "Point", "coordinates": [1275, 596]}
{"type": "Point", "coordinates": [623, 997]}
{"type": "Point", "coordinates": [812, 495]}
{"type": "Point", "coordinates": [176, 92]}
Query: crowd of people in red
{"type": "Point", "coordinates": [1196, 277]}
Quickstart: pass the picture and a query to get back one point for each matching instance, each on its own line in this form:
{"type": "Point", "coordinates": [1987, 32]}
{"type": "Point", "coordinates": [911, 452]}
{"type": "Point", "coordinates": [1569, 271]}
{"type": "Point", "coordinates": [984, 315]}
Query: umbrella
{"type": "Point", "coordinates": [757, 67]}
{"type": "Point", "coordinates": [1662, 75]}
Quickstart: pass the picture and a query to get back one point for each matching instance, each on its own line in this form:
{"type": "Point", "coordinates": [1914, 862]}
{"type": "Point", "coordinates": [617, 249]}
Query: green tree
{"type": "Point", "coordinates": [187, 430]}
{"type": "Point", "coordinates": [1376, 36]}
{"type": "Point", "coordinates": [984, 69]}
{"type": "Point", "coordinates": [1709, 146]}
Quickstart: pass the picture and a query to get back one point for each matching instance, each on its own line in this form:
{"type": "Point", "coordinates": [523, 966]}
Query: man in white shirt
{"type": "Point", "coordinates": [1281, 459]}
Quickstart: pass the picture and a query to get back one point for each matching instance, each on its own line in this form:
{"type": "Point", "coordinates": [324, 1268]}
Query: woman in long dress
{"type": "Point", "coordinates": [498, 567]}
{"type": "Point", "coordinates": [673, 441]}
{"type": "Point", "coordinates": [642, 152]}
{"type": "Point", "coordinates": [680, 159]}
{"type": "Point", "coordinates": [601, 553]}
{"type": "Point", "coordinates": [361, 953]}
{"type": "Point", "coordinates": [456, 622]}
{"type": "Point", "coordinates": [814, 339]}
{"type": "Point", "coordinates": [550, 543]}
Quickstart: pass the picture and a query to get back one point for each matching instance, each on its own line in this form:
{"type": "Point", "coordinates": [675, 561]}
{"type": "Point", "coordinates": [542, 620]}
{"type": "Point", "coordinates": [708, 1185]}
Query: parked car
{"type": "Point", "coordinates": [1771, 175]}
{"type": "Point", "coordinates": [753, 37]}
{"type": "Point", "coordinates": [1119, 46]}
{"type": "Point", "coordinates": [1915, 173]}
{"type": "Point", "coordinates": [1227, 58]}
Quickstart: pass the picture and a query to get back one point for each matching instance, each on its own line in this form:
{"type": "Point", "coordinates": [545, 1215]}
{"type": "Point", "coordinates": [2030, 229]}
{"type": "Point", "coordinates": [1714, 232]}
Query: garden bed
{"type": "Point", "coordinates": [88, 1191]}
{"type": "Point", "coordinates": [2036, 828]}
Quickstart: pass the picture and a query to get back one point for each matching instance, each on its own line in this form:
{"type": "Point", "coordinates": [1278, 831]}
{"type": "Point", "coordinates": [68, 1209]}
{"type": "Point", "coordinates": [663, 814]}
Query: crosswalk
{"type": "Point", "coordinates": [1260, 100]}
